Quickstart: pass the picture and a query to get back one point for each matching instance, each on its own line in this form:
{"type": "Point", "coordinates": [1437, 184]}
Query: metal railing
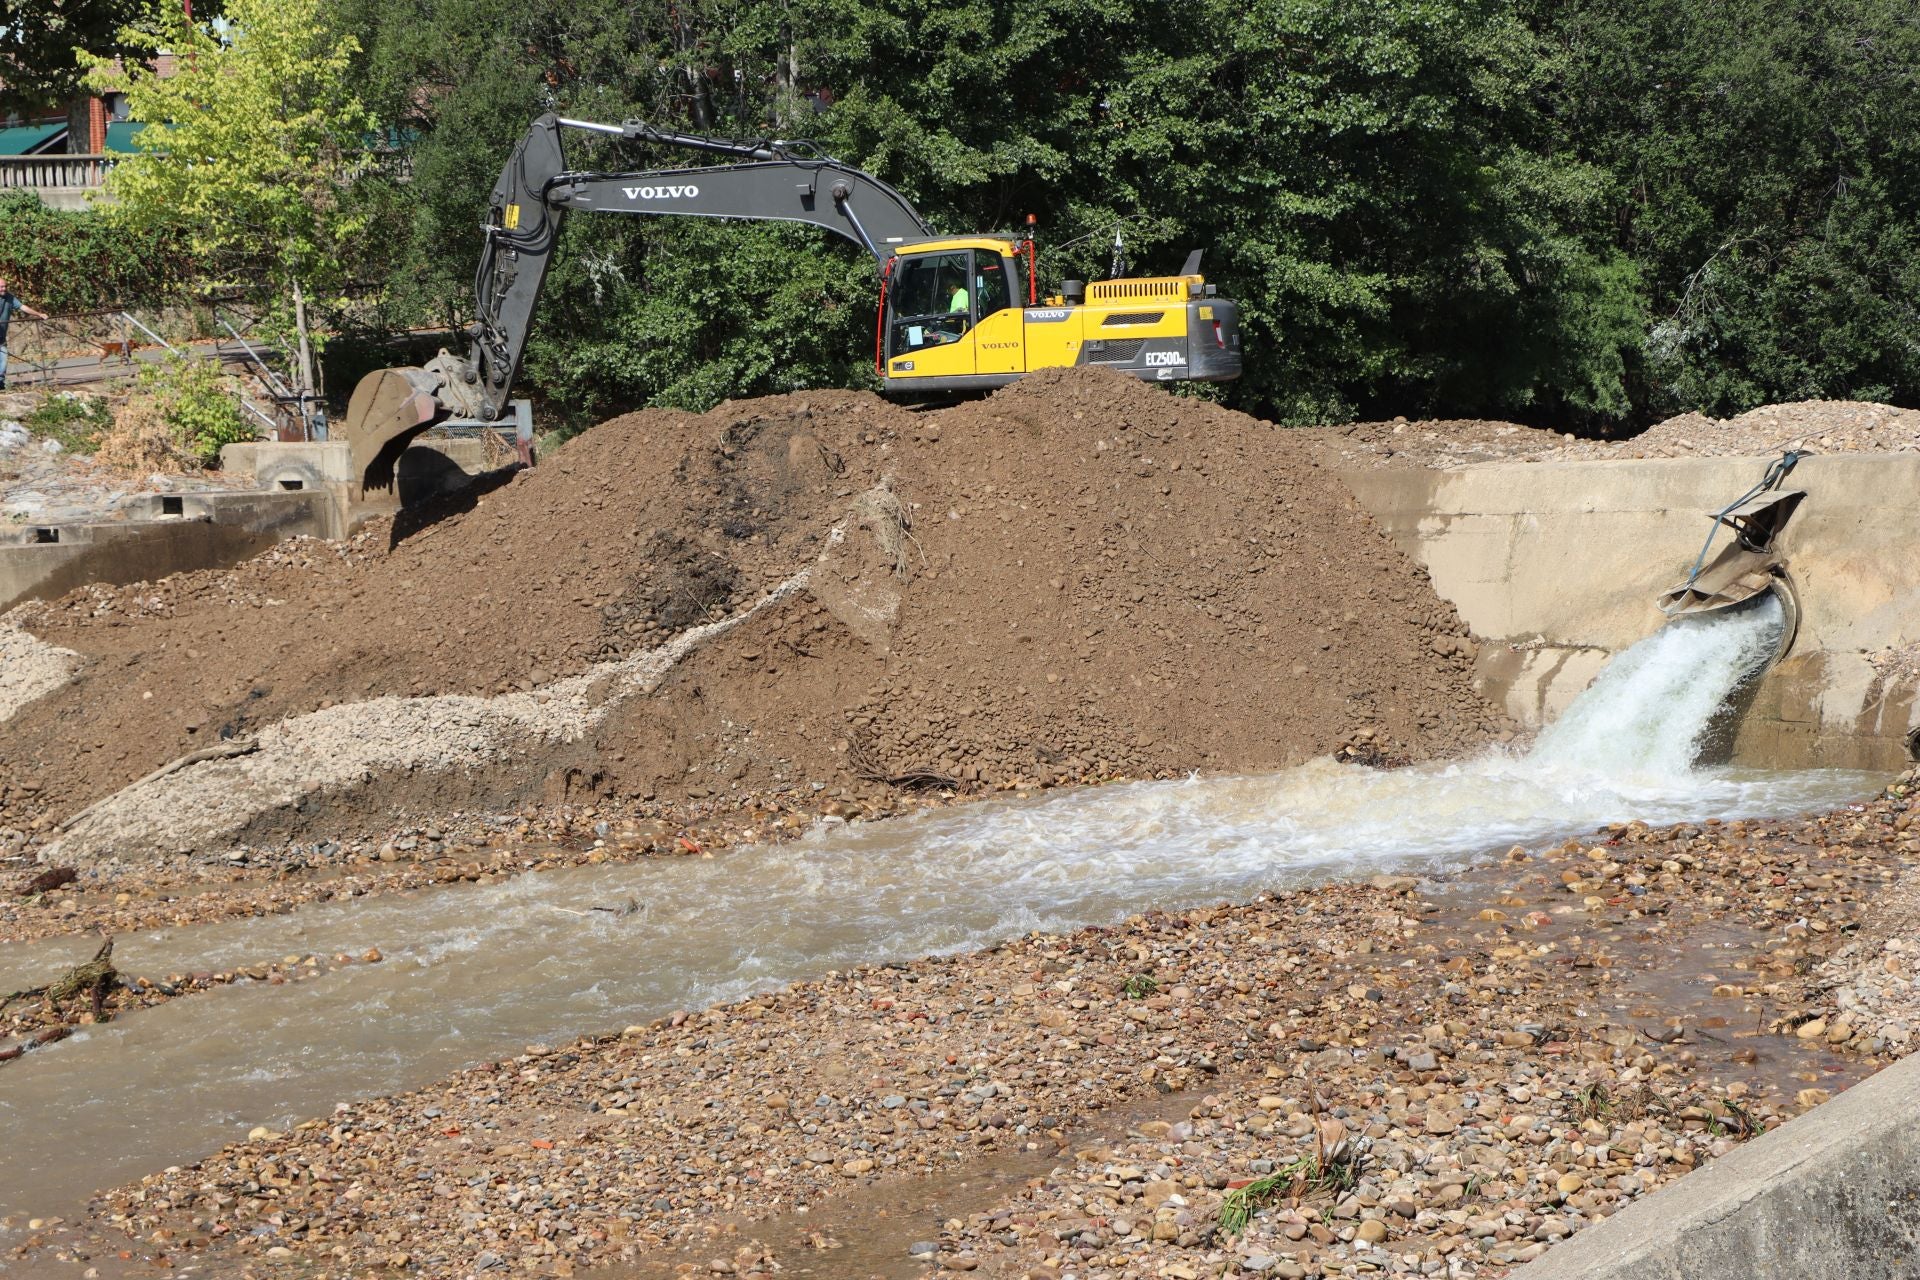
{"type": "Point", "coordinates": [85, 348]}
{"type": "Point", "coordinates": [51, 172]}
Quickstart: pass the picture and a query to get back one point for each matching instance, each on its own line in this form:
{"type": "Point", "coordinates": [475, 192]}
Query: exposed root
{"type": "Point", "coordinates": [97, 977]}
{"type": "Point", "coordinates": [880, 511]}
{"type": "Point", "coordinates": [863, 764]}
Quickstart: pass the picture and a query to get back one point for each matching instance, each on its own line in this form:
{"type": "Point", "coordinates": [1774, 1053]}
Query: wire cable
{"type": "Point", "coordinates": [1777, 471]}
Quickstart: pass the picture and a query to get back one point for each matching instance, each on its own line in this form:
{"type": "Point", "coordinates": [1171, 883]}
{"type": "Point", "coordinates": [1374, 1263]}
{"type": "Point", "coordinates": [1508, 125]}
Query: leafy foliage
{"type": "Point", "coordinates": [68, 261]}
{"type": "Point", "coordinates": [38, 69]}
{"type": "Point", "coordinates": [1768, 167]}
{"type": "Point", "coordinates": [76, 421]}
{"type": "Point", "coordinates": [248, 145]}
{"type": "Point", "coordinates": [192, 399]}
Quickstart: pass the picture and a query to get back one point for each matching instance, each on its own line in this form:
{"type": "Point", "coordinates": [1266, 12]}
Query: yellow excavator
{"type": "Point", "coordinates": [958, 315]}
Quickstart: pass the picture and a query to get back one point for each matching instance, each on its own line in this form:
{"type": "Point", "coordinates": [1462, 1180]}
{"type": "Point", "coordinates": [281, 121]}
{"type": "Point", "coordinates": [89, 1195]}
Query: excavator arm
{"type": "Point", "coordinates": [778, 181]}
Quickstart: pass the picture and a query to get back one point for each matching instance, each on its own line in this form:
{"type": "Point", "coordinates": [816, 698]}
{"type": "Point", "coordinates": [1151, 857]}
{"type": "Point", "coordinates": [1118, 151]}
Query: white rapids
{"type": "Point", "coordinates": [479, 971]}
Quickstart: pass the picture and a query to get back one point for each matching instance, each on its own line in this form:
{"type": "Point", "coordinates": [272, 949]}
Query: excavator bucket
{"type": "Point", "coordinates": [388, 409]}
{"type": "Point", "coordinates": [1720, 585]}
{"type": "Point", "coordinates": [1745, 568]}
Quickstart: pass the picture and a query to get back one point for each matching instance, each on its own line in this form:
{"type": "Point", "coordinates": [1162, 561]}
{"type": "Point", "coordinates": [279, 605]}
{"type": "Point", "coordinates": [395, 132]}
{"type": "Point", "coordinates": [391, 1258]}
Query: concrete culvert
{"type": "Point", "coordinates": [1913, 744]}
{"type": "Point", "coordinates": [1783, 589]}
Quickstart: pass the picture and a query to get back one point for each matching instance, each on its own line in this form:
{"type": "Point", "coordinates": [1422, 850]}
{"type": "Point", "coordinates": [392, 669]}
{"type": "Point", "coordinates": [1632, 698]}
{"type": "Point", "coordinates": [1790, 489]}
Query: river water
{"type": "Point", "coordinates": [478, 971]}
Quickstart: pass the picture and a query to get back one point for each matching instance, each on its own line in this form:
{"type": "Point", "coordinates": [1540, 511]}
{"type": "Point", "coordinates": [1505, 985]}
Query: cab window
{"type": "Point", "coordinates": [931, 301]}
{"type": "Point", "coordinates": [993, 288]}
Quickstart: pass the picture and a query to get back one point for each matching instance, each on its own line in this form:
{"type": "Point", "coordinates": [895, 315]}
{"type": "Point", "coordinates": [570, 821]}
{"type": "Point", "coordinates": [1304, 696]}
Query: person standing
{"type": "Point", "coordinates": [10, 304]}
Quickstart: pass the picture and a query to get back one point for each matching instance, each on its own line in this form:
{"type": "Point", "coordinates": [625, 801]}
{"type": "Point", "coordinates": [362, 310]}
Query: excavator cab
{"type": "Point", "coordinates": [952, 322]}
{"type": "Point", "coordinates": [936, 298]}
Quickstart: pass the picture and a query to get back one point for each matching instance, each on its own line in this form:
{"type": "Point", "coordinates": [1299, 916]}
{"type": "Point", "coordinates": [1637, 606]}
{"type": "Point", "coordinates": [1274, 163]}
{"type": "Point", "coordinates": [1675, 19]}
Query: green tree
{"type": "Point", "coordinates": [1768, 166]}
{"type": "Point", "coordinates": [39, 43]}
{"type": "Point", "coordinates": [250, 143]}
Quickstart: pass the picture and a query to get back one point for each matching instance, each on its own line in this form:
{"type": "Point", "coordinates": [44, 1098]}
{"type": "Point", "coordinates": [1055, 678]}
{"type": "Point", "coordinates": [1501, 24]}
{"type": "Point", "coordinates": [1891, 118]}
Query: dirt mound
{"type": "Point", "coordinates": [1824, 426]}
{"type": "Point", "coordinates": [1438, 443]}
{"type": "Point", "coordinates": [1081, 575]}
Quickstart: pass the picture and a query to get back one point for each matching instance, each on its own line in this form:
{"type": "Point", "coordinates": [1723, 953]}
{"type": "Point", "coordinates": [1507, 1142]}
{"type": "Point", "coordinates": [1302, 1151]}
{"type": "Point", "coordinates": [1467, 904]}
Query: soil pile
{"type": "Point", "coordinates": [1436, 443]}
{"type": "Point", "coordinates": [1079, 576]}
{"type": "Point", "coordinates": [1821, 426]}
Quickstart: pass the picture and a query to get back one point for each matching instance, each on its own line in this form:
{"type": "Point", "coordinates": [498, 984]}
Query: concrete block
{"type": "Point", "coordinates": [1550, 558]}
{"type": "Point", "coordinates": [209, 530]}
{"type": "Point", "coordinates": [1832, 1195]}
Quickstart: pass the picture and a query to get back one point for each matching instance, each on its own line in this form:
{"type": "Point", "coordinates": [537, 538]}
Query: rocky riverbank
{"type": "Point", "coordinates": [1393, 1078]}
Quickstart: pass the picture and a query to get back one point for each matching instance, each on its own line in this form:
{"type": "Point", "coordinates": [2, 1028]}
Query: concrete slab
{"type": "Point", "coordinates": [1559, 563]}
{"type": "Point", "coordinates": [429, 467]}
{"type": "Point", "coordinates": [1832, 1195]}
{"type": "Point", "coordinates": [301, 492]}
{"type": "Point", "coordinates": [185, 532]}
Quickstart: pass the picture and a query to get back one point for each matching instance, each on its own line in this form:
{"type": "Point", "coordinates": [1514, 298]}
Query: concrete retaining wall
{"type": "Point", "coordinates": [1558, 563]}
{"type": "Point", "coordinates": [428, 468]}
{"type": "Point", "coordinates": [209, 531]}
{"type": "Point", "coordinates": [1833, 1195]}
{"type": "Point", "coordinates": [300, 493]}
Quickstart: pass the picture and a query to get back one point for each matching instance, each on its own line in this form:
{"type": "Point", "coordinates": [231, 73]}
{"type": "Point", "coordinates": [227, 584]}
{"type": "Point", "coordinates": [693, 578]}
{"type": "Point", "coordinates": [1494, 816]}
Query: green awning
{"type": "Point", "coordinates": [120, 136]}
{"type": "Point", "coordinates": [26, 139]}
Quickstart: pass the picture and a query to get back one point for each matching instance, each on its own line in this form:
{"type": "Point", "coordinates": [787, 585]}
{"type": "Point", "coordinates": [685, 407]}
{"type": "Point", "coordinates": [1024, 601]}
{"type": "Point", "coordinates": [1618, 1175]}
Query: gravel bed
{"type": "Point", "coordinates": [1492, 1064]}
{"type": "Point", "coordinates": [1874, 982]}
{"type": "Point", "coordinates": [30, 668]}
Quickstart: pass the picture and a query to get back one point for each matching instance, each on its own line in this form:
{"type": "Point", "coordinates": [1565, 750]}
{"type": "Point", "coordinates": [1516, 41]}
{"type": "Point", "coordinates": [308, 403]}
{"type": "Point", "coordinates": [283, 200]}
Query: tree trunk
{"type": "Point", "coordinates": [305, 387]}
{"type": "Point", "coordinates": [786, 76]}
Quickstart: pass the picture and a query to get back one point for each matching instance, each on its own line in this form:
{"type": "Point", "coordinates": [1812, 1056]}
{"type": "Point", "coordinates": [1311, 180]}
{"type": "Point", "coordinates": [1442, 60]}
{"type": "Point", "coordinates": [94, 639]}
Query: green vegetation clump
{"type": "Point", "coordinates": [1333, 1174]}
{"type": "Point", "coordinates": [66, 261]}
{"type": "Point", "coordinates": [77, 422]}
{"type": "Point", "coordinates": [190, 397]}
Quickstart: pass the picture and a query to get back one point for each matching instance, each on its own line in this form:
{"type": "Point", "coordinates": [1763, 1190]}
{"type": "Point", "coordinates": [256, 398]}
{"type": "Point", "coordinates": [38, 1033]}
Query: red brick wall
{"type": "Point", "coordinates": [86, 127]}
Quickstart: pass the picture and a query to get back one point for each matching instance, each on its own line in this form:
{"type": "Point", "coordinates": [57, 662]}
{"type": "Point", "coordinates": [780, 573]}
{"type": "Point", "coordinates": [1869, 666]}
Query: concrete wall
{"type": "Point", "coordinates": [299, 494]}
{"type": "Point", "coordinates": [1558, 564]}
{"type": "Point", "coordinates": [428, 468]}
{"type": "Point", "coordinates": [1832, 1195]}
{"type": "Point", "coordinates": [211, 531]}
{"type": "Point", "coordinates": [73, 199]}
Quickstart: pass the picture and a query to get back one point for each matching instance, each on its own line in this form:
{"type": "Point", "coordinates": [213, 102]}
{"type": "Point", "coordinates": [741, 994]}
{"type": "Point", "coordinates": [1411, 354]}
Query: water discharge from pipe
{"type": "Point", "coordinates": [1650, 711]}
{"type": "Point", "coordinates": [477, 972]}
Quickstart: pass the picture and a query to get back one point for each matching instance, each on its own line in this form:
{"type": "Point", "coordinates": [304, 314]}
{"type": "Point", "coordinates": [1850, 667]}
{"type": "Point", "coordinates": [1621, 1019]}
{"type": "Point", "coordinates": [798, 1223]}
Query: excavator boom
{"type": "Point", "coordinates": [774, 180]}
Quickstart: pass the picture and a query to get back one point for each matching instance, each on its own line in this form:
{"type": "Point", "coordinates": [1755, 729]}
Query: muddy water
{"type": "Point", "coordinates": [474, 972]}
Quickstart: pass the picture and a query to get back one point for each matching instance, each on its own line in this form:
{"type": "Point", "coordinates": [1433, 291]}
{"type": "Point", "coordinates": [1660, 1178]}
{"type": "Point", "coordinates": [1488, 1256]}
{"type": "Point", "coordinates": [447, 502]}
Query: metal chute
{"type": "Point", "coordinates": [1751, 564]}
